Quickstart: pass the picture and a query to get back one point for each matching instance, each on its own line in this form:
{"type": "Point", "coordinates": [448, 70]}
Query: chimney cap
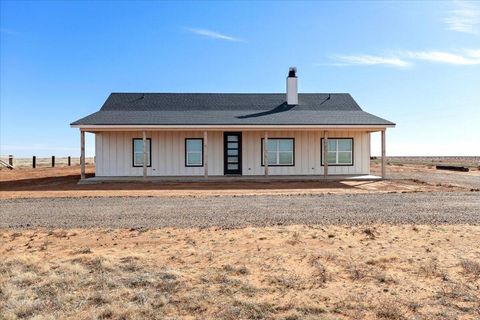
{"type": "Point", "coordinates": [292, 72]}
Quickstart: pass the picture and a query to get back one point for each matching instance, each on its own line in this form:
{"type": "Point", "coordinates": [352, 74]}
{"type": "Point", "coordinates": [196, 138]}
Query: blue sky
{"type": "Point", "coordinates": [414, 63]}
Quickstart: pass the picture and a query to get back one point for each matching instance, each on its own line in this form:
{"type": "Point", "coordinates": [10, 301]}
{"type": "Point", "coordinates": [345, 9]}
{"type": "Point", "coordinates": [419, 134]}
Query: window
{"type": "Point", "coordinates": [339, 151]}
{"type": "Point", "coordinates": [280, 152]}
{"type": "Point", "coordinates": [194, 152]}
{"type": "Point", "coordinates": [138, 152]}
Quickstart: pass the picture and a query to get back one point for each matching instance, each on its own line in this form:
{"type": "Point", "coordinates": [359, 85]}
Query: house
{"type": "Point", "coordinates": [221, 134]}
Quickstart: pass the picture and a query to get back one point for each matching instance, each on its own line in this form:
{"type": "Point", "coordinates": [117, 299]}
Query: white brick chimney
{"type": "Point", "coordinates": [292, 86]}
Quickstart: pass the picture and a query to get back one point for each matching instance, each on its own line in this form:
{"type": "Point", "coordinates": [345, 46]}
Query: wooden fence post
{"type": "Point", "coordinates": [10, 159]}
{"type": "Point", "coordinates": [69, 161]}
{"type": "Point", "coordinates": [53, 161]}
{"type": "Point", "coordinates": [34, 162]}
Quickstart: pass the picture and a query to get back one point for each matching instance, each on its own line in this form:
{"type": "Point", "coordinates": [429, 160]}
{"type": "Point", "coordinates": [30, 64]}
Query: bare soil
{"type": "Point", "coordinates": [62, 182]}
{"type": "Point", "coordinates": [294, 272]}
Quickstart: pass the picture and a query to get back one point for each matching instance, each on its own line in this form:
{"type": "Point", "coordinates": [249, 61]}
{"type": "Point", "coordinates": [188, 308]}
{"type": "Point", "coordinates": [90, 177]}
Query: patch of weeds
{"type": "Point", "coordinates": [431, 269]}
{"type": "Point", "coordinates": [27, 309]}
{"type": "Point", "coordinates": [93, 264]}
{"type": "Point", "coordinates": [370, 233]}
{"type": "Point", "coordinates": [130, 265]}
{"type": "Point", "coordinates": [457, 291]}
{"type": "Point", "coordinates": [295, 239]}
{"type": "Point", "coordinates": [105, 313]}
{"type": "Point", "coordinates": [60, 234]}
{"type": "Point", "coordinates": [15, 235]}
{"type": "Point", "coordinates": [382, 277]}
{"type": "Point", "coordinates": [311, 310]}
{"type": "Point", "coordinates": [241, 270]}
{"type": "Point", "coordinates": [84, 250]}
{"type": "Point", "coordinates": [248, 290]}
{"type": "Point", "coordinates": [138, 281]}
{"type": "Point", "coordinates": [287, 281]}
{"type": "Point", "coordinates": [248, 310]}
{"type": "Point", "coordinates": [320, 272]}
{"type": "Point", "coordinates": [390, 310]}
{"type": "Point", "coordinates": [98, 300]}
{"type": "Point", "coordinates": [329, 256]}
{"type": "Point", "coordinates": [355, 271]}
{"type": "Point", "coordinates": [470, 267]}
{"type": "Point", "coordinates": [414, 306]}
{"type": "Point", "coordinates": [292, 316]}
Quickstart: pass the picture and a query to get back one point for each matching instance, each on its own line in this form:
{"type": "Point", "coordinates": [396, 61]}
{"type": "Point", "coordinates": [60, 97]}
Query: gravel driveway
{"type": "Point", "coordinates": [239, 211]}
{"type": "Point", "coordinates": [463, 179]}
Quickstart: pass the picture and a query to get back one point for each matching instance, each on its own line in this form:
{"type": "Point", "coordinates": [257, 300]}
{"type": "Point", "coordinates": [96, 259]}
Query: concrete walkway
{"type": "Point", "coordinates": [160, 179]}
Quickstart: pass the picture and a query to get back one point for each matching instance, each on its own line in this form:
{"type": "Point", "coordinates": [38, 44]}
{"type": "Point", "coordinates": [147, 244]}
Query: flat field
{"type": "Point", "coordinates": [282, 272]}
{"type": "Point", "coordinates": [404, 248]}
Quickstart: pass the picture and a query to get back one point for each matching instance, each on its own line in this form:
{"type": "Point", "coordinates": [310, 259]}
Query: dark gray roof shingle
{"type": "Point", "coordinates": [229, 109]}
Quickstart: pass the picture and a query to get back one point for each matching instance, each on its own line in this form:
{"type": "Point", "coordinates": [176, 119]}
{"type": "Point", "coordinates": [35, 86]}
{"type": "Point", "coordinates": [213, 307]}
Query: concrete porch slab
{"type": "Point", "coordinates": [158, 179]}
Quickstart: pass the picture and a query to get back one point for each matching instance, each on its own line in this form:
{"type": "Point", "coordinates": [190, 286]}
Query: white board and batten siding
{"type": "Point", "coordinates": [113, 151]}
{"type": "Point", "coordinates": [307, 153]}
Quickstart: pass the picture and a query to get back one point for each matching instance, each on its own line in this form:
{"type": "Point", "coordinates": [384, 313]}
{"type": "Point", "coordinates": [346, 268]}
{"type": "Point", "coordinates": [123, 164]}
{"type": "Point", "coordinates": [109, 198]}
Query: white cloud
{"type": "Point", "coordinates": [213, 34]}
{"type": "Point", "coordinates": [364, 59]}
{"type": "Point", "coordinates": [465, 17]}
{"type": "Point", "coordinates": [467, 57]}
{"type": "Point", "coordinates": [404, 59]}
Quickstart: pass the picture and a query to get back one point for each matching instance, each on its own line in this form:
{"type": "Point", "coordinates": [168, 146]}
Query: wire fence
{"type": "Point", "coordinates": [43, 162]}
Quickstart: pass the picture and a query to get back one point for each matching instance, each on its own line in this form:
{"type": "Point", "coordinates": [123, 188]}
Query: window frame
{"type": "Point", "coordinates": [277, 165]}
{"type": "Point", "coordinates": [336, 152]}
{"type": "Point", "coordinates": [148, 153]}
{"type": "Point", "coordinates": [186, 153]}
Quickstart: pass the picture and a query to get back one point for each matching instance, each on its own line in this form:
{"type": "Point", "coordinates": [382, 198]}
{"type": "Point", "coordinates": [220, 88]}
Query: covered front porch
{"type": "Point", "coordinates": [162, 152]}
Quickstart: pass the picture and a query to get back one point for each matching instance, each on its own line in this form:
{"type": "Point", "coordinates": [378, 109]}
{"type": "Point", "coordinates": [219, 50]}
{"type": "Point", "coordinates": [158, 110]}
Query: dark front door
{"type": "Point", "coordinates": [232, 153]}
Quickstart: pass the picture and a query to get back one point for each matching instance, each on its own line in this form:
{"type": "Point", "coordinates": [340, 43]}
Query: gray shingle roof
{"type": "Point", "coordinates": [229, 109]}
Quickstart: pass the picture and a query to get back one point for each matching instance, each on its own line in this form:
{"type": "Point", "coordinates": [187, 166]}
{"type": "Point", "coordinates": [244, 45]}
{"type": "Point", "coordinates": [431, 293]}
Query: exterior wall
{"type": "Point", "coordinates": [307, 153]}
{"type": "Point", "coordinates": [113, 152]}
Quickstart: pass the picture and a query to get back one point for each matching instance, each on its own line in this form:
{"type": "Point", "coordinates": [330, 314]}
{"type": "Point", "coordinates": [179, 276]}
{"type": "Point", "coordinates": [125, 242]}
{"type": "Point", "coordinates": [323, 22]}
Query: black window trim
{"type": "Point", "coordinates": [337, 165]}
{"type": "Point", "coordinates": [277, 165]}
{"type": "Point", "coordinates": [133, 153]}
{"type": "Point", "coordinates": [193, 165]}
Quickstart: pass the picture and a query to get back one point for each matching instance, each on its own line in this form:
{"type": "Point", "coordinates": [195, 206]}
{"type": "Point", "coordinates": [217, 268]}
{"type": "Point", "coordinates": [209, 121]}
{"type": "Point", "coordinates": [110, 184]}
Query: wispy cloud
{"type": "Point", "coordinates": [214, 34]}
{"type": "Point", "coordinates": [467, 57]}
{"type": "Point", "coordinates": [464, 17]}
{"type": "Point", "coordinates": [365, 59]}
{"type": "Point", "coordinates": [403, 59]}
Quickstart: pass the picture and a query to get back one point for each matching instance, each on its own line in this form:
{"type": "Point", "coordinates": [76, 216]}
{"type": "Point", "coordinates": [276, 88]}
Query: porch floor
{"type": "Point", "coordinates": [160, 179]}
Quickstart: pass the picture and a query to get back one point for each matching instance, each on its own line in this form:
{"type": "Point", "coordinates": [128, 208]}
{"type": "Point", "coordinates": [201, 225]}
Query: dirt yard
{"type": "Point", "coordinates": [294, 272]}
{"type": "Point", "coordinates": [62, 182]}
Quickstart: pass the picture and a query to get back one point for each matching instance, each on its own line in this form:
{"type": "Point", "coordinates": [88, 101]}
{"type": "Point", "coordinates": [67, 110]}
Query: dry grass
{"type": "Point", "coordinates": [295, 272]}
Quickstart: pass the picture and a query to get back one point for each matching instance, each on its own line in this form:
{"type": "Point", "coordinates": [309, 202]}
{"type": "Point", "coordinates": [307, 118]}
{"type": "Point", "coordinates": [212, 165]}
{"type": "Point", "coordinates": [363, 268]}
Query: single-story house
{"type": "Point", "coordinates": [231, 134]}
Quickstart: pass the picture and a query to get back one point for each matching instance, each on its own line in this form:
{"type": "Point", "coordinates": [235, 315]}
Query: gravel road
{"type": "Point", "coordinates": [239, 211]}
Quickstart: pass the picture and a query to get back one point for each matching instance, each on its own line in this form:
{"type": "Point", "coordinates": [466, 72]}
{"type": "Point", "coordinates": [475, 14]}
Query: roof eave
{"type": "Point", "coordinates": [228, 126]}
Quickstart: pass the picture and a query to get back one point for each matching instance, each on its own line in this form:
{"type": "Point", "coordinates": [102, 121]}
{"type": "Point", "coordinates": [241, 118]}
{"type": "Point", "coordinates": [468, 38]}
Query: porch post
{"type": "Point", "coordinates": [82, 154]}
{"type": "Point", "coordinates": [205, 154]}
{"type": "Point", "coordinates": [265, 153]}
{"type": "Point", "coordinates": [144, 138]}
{"type": "Point", "coordinates": [384, 160]}
{"type": "Point", "coordinates": [325, 154]}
